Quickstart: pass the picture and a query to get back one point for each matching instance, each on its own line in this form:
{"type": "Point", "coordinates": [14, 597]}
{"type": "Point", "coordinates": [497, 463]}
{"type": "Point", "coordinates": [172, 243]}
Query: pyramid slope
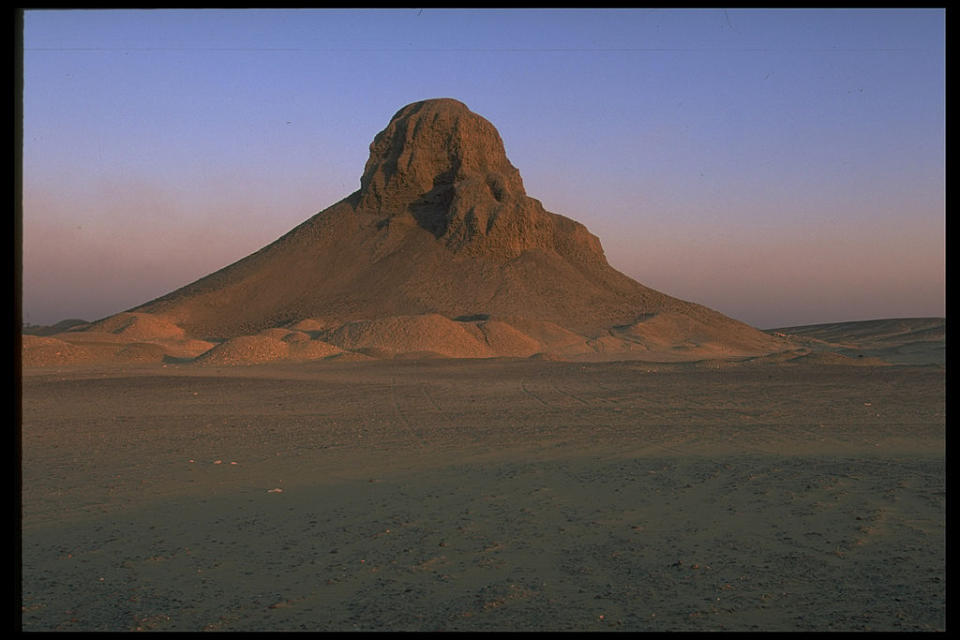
{"type": "Point", "coordinates": [345, 272]}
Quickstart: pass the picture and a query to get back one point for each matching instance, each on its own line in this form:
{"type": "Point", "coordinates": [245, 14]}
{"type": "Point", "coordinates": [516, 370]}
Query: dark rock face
{"type": "Point", "coordinates": [445, 168]}
{"type": "Point", "coordinates": [431, 145]}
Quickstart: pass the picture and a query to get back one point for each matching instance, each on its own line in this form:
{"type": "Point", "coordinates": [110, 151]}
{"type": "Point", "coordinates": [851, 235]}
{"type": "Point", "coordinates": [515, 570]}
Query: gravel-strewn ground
{"type": "Point", "coordinates": [484, 495]}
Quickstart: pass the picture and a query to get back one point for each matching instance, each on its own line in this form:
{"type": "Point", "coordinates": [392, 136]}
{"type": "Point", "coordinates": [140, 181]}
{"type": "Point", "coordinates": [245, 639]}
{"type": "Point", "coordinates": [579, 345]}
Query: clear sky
{"type": "Point", "coordinates": [784, 167]}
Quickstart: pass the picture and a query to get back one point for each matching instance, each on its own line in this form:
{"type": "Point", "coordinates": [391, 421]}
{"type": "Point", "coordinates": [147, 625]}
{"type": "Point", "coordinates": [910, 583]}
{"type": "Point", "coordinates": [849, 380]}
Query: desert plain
{"type": "Point", "coordinates": [436, 406]}
{"type": "Point", "coordinates": [496, 494]}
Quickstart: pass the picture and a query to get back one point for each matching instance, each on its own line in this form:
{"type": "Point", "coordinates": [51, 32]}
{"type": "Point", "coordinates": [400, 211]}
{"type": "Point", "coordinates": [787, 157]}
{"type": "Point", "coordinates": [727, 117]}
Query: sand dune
{"type": "Point", "coordinates": [137, 326]}
{"type": "Point", "coordinates": [40, 351]}
{"type": "Point", "coordinates": [314, 325]}
{"type": "Point", "coordinates": [663, 337]}
{"type": "Point", "coordinates": [119, 339]}
{"type": "Point", "coordinates": [553, 338]}
{"type": "Point", "coordinates": [404, 334]}
{"type": "Point", "coordinates": [100, 348]}
{"type": "Point", "coordinates": [266, 347]}
{"type": "Point", "coordinates": [296, 336]}
{"type": "Point", "coordinates": [277, 333]}
{"type": "Point", "coordinates": [246, 350]}
{"type": "Point", "coordinates": [675, 337]}
{"type": "Point", "coordinates": [311, 349]}
{"type": "Point", "coordinates": [506, 340]}
{"type": "Point", "coordinates": [141, 352]}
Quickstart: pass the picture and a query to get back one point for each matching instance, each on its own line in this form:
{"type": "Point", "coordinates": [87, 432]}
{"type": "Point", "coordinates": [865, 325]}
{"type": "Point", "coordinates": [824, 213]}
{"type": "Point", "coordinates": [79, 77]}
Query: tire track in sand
{"type": "Point", "coordinates": [539, 395]}
{"type": "Point", "coordinates": [426, 394]}
{"type": "Point", "coordinates": [407, 425]}
{"type": "Point", "coordinates": [570, 395]}
{"type": "Point", "coordinates": [523, 387]}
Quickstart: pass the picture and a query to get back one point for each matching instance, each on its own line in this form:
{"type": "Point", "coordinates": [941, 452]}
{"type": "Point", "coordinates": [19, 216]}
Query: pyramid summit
{"type": "Point", "coordinates": [445, 168]}
{"type": "Point", "coordinates": [431, 145]}
{"type": "Point", "coordinates": [440, 251]}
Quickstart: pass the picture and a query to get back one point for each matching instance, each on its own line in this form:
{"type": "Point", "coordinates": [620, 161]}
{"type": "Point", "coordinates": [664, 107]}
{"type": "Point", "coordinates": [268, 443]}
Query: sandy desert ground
{"type": "Point", "coordinates": [485, 495]}
{"type": "Point", "coordinates": [435, 405]}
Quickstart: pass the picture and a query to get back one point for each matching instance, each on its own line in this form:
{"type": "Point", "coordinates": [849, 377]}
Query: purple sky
{"type": "Point", "coordinates": [784, 167]}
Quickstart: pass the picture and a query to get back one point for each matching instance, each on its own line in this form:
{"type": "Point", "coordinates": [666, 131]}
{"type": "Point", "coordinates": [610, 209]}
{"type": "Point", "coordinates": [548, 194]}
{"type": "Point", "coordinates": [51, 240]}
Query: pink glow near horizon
{"type": "Point", "coordinates": [773, 276]}
{"type": "Point", "coordinates": [784, 168]}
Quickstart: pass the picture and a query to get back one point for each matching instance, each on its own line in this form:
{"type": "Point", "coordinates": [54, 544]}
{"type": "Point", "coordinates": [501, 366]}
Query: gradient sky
{"type": "Point", "coordinates": [784, 167]}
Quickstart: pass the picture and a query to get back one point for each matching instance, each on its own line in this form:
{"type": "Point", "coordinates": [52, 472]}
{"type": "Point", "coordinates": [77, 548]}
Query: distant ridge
{"type": "Point", "coordinates": [895, 340]}
{"type": "Point", "coordinates": [53, 329]}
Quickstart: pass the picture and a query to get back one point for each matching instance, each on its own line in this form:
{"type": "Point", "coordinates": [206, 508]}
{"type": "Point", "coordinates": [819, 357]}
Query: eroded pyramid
{"type": "Point", "coordinates": [442, 239]}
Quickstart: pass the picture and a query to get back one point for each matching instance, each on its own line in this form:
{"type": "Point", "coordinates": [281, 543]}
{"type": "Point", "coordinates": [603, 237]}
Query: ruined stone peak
{"type": "Point", "coordinates": [430, 145]}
